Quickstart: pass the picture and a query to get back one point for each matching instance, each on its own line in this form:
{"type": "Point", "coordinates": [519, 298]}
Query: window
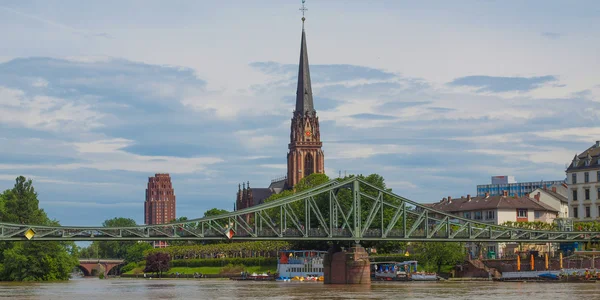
{"type": "Point", "coordinates": [538, 214]}
{"type": "Point", "coordinates": [587, 212]}
{"type": "Point", "coordinates": [575, 212]}
{"type": "Point", "coordinates": [521, 213]}
{"type": "Point", "coordinates": [587, 194]}
{"type": "Point", "coordinates": [574, 195]}
{"type": "Point", "coordinates": [586, 177]}
{"type": "Point", "coordinates": [467, 215]}
{"type": "Point", "coordinates": [477, 215]}
{"type": "Point", "coordinates": [574, 178]}
{"type": "Point", "coordinates": [490, 215]}
{"type": "Point", "coordinates": [598, 196]}
{"type": "Point", "coordinates": [598, 174]}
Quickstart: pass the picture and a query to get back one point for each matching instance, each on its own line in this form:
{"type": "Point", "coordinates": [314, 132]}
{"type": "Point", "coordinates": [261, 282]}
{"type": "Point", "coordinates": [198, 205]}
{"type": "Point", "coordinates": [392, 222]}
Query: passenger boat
{"type": "Point", "coordinates": [300, 265]}
{"type": "Point", "coordinates": [400, 271]}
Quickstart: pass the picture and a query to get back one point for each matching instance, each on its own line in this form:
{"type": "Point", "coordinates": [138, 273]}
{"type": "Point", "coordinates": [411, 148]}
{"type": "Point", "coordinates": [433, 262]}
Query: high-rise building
{"type": "Point", "coordinates": [305, 155]}
{"type": "Point", "coordinates": [159, 207]}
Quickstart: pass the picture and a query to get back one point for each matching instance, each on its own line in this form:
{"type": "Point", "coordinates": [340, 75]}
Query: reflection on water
{"type": "Point", "coordinates": [125, 289]}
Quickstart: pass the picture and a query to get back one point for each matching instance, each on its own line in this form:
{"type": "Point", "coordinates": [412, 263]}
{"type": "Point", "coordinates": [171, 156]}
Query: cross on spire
{"type": "Point", "coordinates": [303, 9]}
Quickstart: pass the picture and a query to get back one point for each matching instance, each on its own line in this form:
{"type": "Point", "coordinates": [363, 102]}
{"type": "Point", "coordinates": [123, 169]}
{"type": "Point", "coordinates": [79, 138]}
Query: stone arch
{"type": "Point", "coordinates": [85, 270]}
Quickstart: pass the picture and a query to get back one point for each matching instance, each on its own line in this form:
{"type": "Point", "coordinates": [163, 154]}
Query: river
{"type": "Point", "coordinates": [126, 289]}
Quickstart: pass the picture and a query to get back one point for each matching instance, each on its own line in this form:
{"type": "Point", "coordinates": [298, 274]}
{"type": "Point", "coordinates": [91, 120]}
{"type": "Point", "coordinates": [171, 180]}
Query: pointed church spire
{"type": "Point", "coordinates": [304, 98]}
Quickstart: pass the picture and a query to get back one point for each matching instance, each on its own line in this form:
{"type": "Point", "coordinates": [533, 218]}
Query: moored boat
{"type": "Point", "coordinates": [300, 265]}
{"type": "Point", "coordinates": [400, 271]}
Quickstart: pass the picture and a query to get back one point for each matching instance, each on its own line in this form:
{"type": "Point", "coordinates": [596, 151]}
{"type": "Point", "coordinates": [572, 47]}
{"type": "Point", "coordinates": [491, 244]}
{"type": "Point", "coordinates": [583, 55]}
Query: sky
{"type": "Point", "coordinates": [435, 96]}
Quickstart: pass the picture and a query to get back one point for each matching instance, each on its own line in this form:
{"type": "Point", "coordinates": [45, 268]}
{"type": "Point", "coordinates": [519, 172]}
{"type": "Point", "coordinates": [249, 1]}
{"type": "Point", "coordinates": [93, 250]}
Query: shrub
{"type": "Point", "coordinates": [218, 262]}
{"type": "Point", "coordinates": [128, 267]}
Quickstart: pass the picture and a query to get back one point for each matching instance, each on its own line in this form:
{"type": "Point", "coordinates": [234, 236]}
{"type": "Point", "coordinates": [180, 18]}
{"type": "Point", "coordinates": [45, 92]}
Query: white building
{"type": "Point", "coordinates": [583, 181]}
{"type": "Point", "coordinates": [503, 179]}
{"type": "Point", "coordinates": [556, 197]}
{"type": "Point", "coordinates": [497, 210]}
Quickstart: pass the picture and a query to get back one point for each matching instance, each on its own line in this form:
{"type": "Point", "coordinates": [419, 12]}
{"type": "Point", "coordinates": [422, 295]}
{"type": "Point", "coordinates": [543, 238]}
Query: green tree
{"type": "Point", "coordinates": [135, 253]}
{"type": "Point", "coordinates": [214, 212]}
{"type": "Point", "coordinates": [311, 181]}
{"type": "Point", "coordinates": [440, 254]}
{"type": "Point", "coordinates": [32, 260]}
{"type": "Point", "coordinates": [112, 249]}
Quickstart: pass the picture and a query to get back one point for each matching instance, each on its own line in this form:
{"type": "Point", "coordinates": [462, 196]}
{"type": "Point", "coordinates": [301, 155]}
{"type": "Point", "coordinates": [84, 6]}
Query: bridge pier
{"type": "Point", "coordinates": [347, 267]}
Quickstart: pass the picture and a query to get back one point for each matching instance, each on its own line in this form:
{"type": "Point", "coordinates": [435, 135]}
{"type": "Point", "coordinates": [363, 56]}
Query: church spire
{"type": "Point", "coordinates": [304, 98]}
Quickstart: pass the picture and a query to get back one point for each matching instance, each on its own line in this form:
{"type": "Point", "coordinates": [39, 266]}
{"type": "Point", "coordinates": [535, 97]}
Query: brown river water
{"type": "Point", "coordinates": [134, 289]}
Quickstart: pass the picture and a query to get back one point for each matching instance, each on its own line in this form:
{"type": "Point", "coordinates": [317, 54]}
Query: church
{"type": "Point", "coordinates": [305, 154]}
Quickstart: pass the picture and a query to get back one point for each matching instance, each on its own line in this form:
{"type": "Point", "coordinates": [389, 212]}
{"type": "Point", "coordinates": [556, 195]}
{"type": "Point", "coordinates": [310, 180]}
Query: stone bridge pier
{"type": "Point", "coordinates": [347, 267]}
{"type": "Point", "coordinates": [101, 265]}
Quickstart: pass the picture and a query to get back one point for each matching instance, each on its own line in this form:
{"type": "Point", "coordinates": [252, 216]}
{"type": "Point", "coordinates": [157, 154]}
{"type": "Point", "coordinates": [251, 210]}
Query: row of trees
{"type": "Point", "coordinates": [224, 249]}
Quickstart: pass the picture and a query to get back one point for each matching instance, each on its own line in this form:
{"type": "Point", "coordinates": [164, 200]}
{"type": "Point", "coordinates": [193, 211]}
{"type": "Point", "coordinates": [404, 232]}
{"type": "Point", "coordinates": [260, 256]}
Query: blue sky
{"type": "Point", "coordinates": [436, 96]}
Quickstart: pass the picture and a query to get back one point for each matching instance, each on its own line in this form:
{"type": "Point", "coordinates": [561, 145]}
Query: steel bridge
{"type": "Point", "coordinates": [339, 210]}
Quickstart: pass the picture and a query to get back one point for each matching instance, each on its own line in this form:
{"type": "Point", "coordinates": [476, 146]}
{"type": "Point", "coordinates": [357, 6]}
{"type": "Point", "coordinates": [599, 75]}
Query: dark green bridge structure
{"type": "Point", "coordinates": [348, 210]}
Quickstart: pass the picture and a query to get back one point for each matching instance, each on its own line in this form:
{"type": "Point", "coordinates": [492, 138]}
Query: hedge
{"type": "Point", "coordinates": [220, 262]}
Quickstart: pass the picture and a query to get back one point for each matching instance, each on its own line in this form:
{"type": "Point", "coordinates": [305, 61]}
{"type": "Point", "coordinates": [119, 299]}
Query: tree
{"type": "Point", "coordinates": [115, 249]}
{"type": "Point", "coordinates": [311, 181]}
{"type": "Point", "coordinates": [32, 260]}
{"type": "Point", "coordinates": [440, 253]}
{"type": "Point", "coordinates": [214, 212]}
{"type": "Point", "coordinates": [135, 253]}
{"type": "Point", "coordinates": [158, 263]}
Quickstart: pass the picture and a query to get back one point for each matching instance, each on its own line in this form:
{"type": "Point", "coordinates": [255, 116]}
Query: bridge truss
{"type": "Point", "coordinates": [348, 210]}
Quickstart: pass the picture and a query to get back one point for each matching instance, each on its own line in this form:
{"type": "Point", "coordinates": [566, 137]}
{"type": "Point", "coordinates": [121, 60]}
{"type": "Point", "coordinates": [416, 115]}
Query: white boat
{"type": "Point", "coordinates": [421, 276]}
{"type": "Point", "coordinates": [300, 265]}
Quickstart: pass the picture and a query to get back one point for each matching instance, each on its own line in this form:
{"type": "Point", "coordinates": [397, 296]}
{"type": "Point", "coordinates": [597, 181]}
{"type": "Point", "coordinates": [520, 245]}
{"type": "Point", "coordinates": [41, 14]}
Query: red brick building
{"type": "Point", "coordinates": [159, 207]}
{"type": "Point", "coordinates": [305, 155]}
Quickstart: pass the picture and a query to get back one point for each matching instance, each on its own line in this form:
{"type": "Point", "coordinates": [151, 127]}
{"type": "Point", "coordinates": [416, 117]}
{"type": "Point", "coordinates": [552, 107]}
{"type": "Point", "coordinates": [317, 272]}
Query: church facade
{"type": "Point", "coordinates": [305, 154]}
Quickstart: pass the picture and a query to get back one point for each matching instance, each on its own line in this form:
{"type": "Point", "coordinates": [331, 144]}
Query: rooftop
{"type": "Point", "coordinates": [490, 202]}
{"type": "Point", "coordinates": [588, 159]}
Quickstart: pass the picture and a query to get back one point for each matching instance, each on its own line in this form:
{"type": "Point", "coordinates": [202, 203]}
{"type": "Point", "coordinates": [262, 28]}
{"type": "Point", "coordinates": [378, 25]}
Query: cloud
{"type": "Point", "coordinates": [45, 112]}
{"type": "Point", "coordinates": [92, 204]}
{"type": "Point", "coordinates": [502, 84]}
{"type": "Point", "coordinates": [372, 117]}
{"type": "Point", "coordinates": [324, 73]}
{"type": "Point", "coordinates": [358, 151]}
{"type": "Point", "coordinates": [108, 155]}
{"type": "Point", "coordinates": [58, 25]}
{"type": "Point", "coordinates": [551, 35]}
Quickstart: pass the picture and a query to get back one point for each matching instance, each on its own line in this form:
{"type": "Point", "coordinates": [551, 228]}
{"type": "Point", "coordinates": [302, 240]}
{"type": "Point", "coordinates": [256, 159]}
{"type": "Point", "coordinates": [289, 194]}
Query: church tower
{"type": "Point", "coordinates": [305, 155]}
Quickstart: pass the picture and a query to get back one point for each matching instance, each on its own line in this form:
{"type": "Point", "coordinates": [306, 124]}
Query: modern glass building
{"type": "Point", "coordinates": [519, 188]}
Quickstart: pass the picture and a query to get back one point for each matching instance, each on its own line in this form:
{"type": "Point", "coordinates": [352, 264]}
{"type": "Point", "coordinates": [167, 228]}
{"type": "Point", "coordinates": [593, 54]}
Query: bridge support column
{"type": "Point", "coordinates": [347, 267]}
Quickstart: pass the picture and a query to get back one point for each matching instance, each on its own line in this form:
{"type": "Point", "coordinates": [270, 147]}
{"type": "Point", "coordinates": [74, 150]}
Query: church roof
{"type": "Point", "coordinates": [260, 194]}
{"type": "Point", "coordinates": [304, 97]}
